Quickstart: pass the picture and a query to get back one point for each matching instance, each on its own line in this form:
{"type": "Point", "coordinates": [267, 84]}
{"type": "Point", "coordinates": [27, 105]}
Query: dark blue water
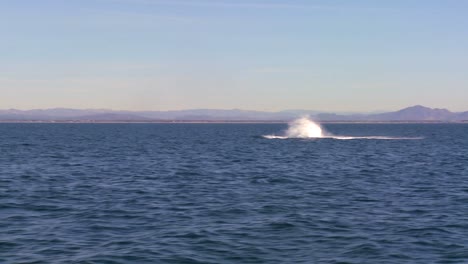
{"type": "Point", "coordinates": [221, 193]}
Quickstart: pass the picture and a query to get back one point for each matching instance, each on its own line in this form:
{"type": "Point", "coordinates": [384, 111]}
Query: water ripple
{"type": "Point", "coordinates": [81, 193]}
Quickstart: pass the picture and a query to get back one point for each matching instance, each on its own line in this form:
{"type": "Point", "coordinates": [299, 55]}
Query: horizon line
{"type": "Point", "coordinates": [225, 109]}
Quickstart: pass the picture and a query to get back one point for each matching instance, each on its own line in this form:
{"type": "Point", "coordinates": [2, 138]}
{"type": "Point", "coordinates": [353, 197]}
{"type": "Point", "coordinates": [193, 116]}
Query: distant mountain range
{"type": "Point", "coordinates": [414, 113]}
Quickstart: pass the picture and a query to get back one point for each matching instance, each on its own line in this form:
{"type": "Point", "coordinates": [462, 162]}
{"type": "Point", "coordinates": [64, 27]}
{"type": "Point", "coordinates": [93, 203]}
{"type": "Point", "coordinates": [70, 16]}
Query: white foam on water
{"type": "Point", "coordinates": [305, 128]}
{"type": "Point", "coordinates": [375, 137]}
{"type": "Point", "coordinates": [300, 128]}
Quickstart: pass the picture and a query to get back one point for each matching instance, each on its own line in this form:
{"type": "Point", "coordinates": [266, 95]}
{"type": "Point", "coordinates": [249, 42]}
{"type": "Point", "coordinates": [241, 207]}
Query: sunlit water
{"type": "Point", "coordinates": [188, 193]}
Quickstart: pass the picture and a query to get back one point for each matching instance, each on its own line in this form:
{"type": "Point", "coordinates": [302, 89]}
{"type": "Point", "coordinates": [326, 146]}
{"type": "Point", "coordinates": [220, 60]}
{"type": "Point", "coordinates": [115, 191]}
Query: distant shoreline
{"type": "Point", "coordinates": [413, 114]}
{"type": "Point", "coordinates": [219, 122]}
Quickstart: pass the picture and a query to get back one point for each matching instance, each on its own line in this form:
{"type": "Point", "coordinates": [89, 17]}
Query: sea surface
{"type": "Point", "coordinates": [225, 193]}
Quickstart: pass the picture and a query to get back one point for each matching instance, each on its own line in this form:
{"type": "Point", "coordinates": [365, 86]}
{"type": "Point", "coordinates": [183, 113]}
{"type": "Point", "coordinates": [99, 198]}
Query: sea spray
{"type": "Point", "coordinates": [304, 128]}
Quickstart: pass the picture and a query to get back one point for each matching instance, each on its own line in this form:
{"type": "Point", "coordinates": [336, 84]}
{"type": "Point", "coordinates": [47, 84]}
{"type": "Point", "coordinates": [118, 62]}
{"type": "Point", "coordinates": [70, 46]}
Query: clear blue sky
{"type": "Point", "coordinates": [348, 55]}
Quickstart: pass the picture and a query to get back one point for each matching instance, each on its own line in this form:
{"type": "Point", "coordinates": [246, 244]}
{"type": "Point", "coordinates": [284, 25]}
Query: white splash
{"type": "Point", "coordinates": [305, 128]}
{"type": "Point", "coordinates": [301, 128]}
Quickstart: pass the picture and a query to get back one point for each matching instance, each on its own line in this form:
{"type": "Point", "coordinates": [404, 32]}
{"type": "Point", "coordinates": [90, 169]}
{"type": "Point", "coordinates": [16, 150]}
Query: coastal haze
{"type": "Point", "coordinates": [414, 113]}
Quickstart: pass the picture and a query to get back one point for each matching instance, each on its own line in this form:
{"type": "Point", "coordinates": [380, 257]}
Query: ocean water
{"type": "Point", "coordinates": [226, 193]}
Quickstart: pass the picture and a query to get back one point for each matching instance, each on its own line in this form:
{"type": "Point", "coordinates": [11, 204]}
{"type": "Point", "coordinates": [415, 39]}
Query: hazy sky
{"type": "Point", "coordinates": [250, 54]}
